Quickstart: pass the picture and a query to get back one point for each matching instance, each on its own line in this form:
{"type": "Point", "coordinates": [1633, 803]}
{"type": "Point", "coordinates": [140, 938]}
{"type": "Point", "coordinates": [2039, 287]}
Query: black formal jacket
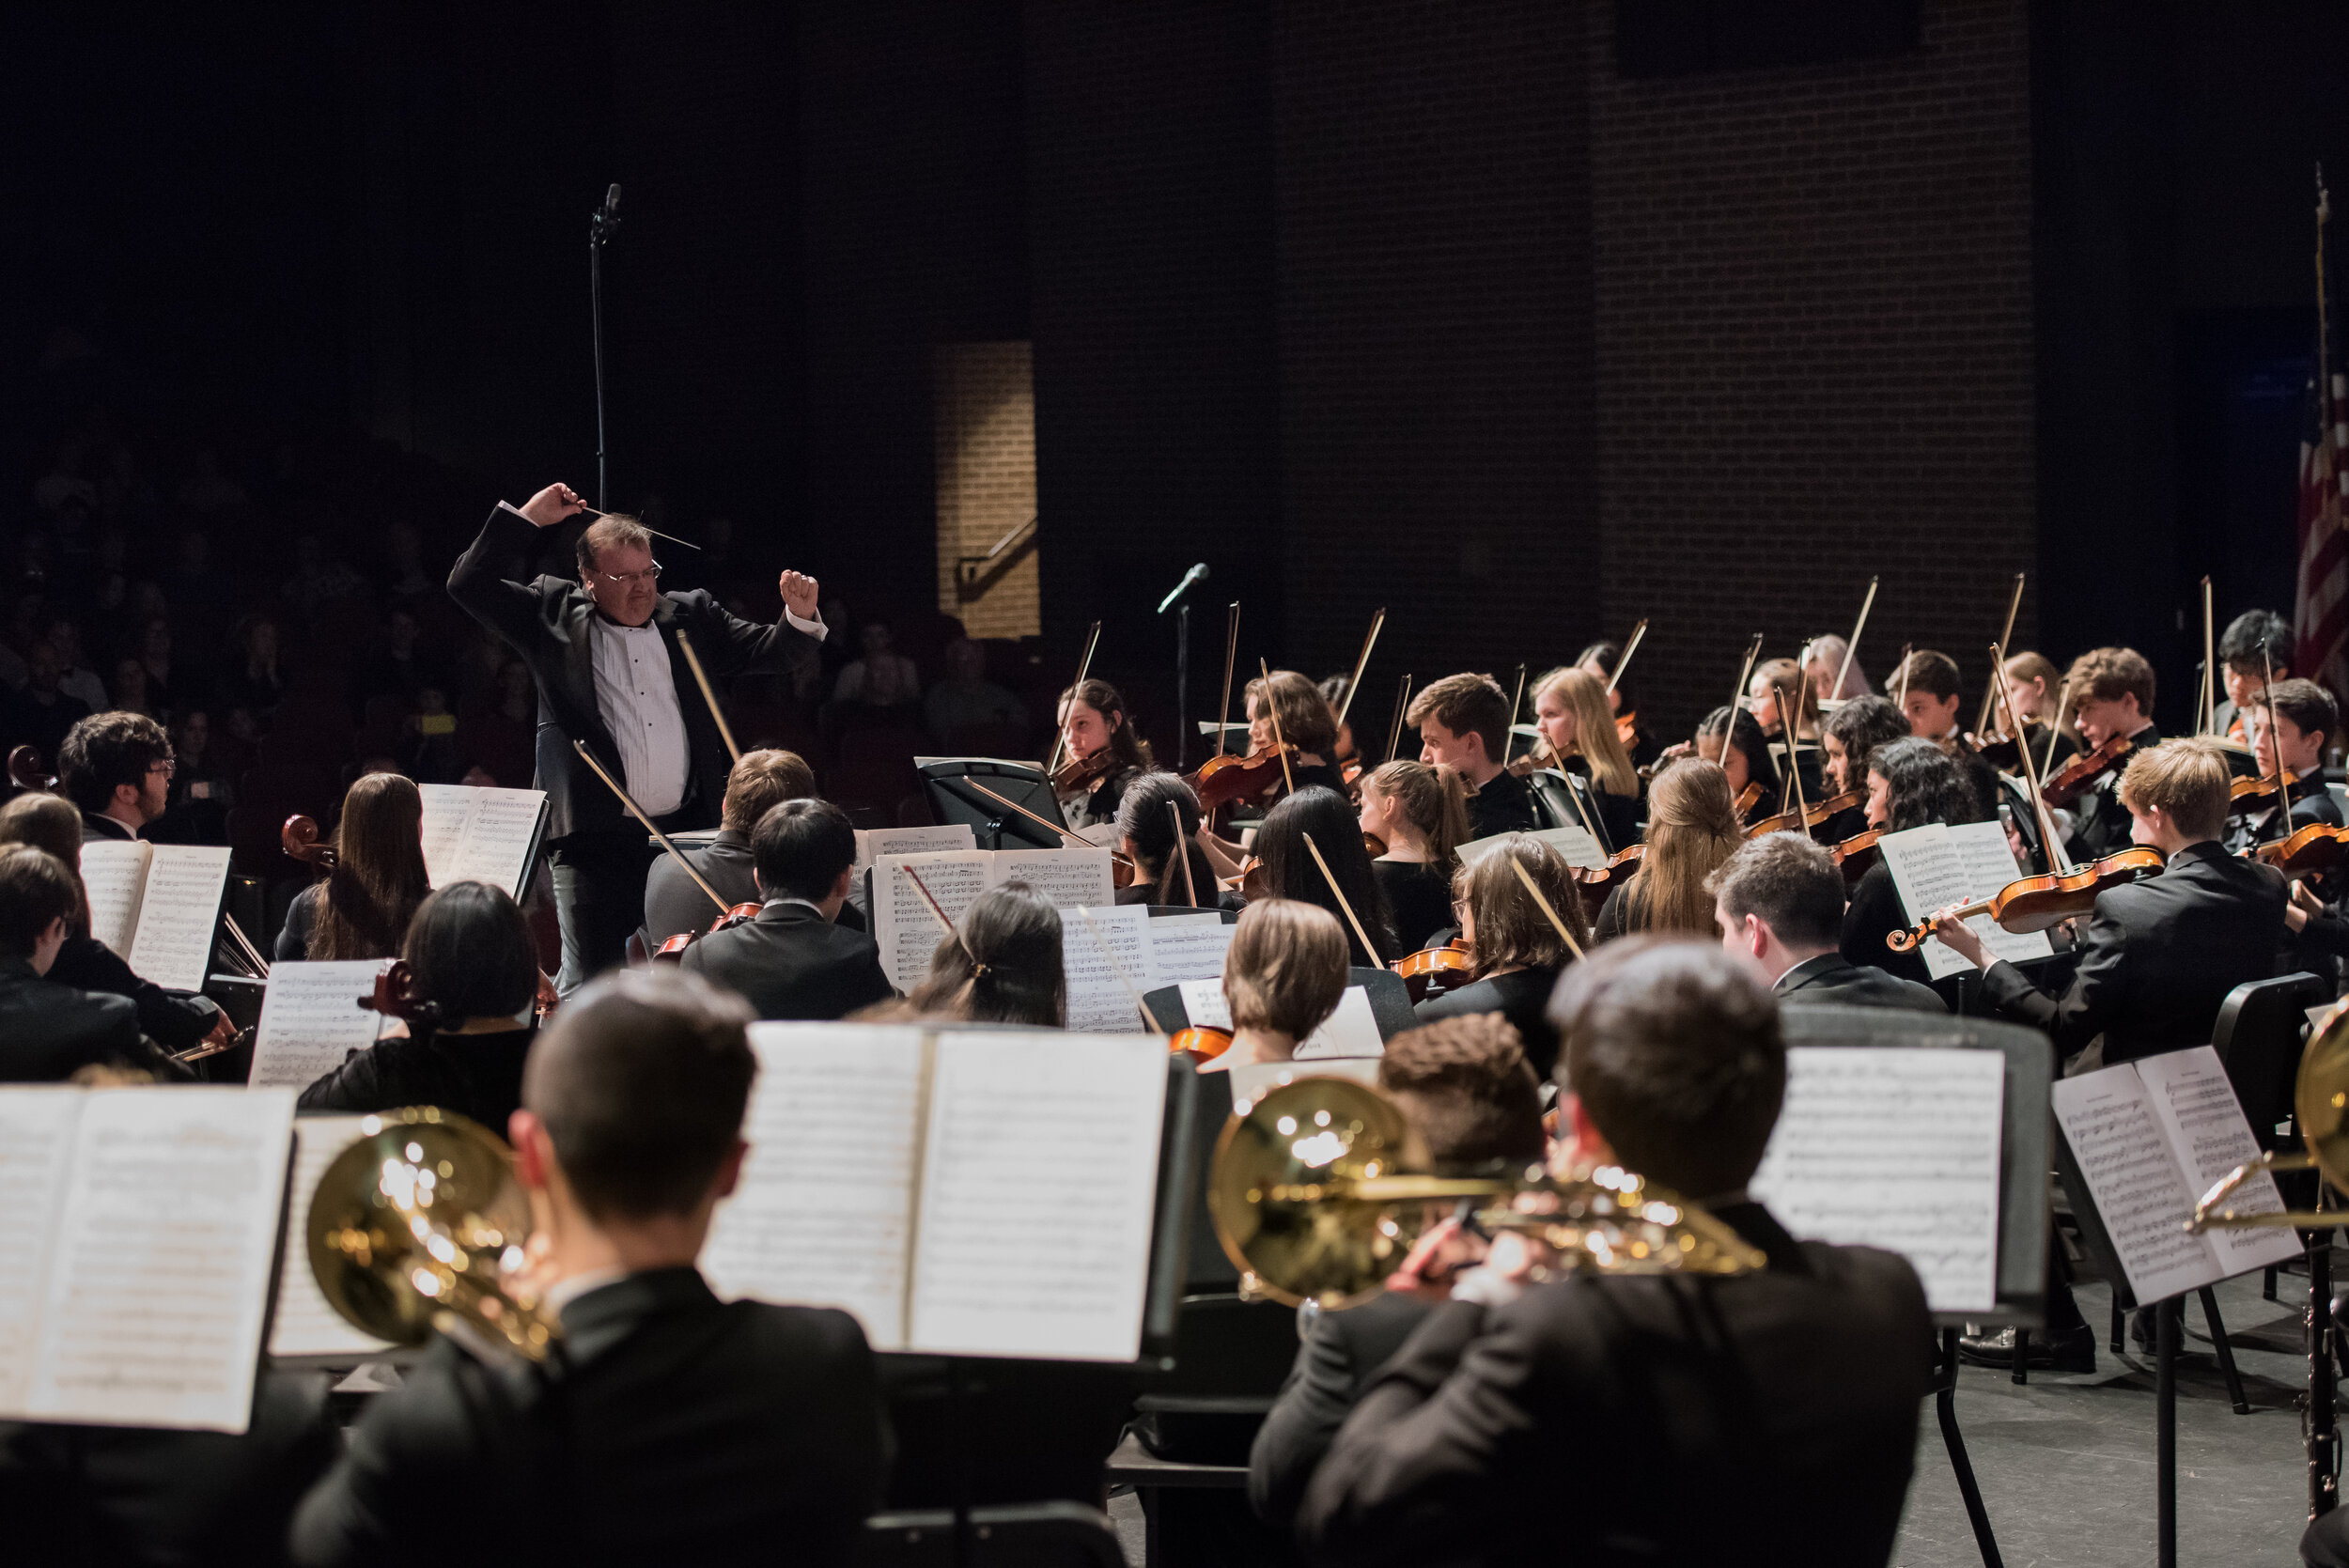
{"type": "Point", "coordinates": [1766, 1416]}
{"type": "Point", "coordinates": [1506, 805]}
{"type": "Point", "coordinates": [48, 1030]}
{"type": "Point", "coordinates": [2158, 958]}
{"type": "Point", "coordinates": [673, 903]}
{"type": "Point", "coordinates": [1341, 1352]}
{"type": "Point", "coordinates": [1829, 977]}
{"type": "Point", "coordinates": [546, 622]}
{"type": "Point", "coordinates": [98, 828]}
{"type": "Point", "coordinates": [1522, 995]}
{"type": "Point", "coordinates": [2101, 825]}
{"type": "Point", "coordinates": [793, 962]}
{"type": "Point", "coordinates": [173, 1020]}
{"type": "Point", "coordinates": [673, 1428]}
{"type": "Point", "coordinates": [478, 1075]}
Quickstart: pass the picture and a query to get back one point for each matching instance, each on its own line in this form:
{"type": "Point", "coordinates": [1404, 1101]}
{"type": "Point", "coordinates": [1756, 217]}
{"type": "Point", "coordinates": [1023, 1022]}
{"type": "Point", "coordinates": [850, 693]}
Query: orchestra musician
{"type": "Point", "coordinates": [2306, 721]}
{"type": "Point", "coordinates": [1599, 660]}
{"type": "Point", "coordinates": [1002, 963]}
{"type": "Point", "coordinates": [1931, 698]}
{"type": "Point", "coordinates": [1825, 660]}
{"type": "Point", "coordinates": [1420, 814]}
{"type": "Point", "coordinates": [1464, 1087]}
{"type": "Point", "coordinates": [1734, 742]}
{"type": "Point", "coordinates": [2255, 648]}
{"type": "Point", "coordinates": [1911, 784]}
{"type": "Point", "coordinates": [794, 960]}
{"type": "Point", "coordinates": [1306, 721]}
{"type": "Point", "coordinates": [675, 903]}
{"type": "Point", "coordinates": [603, 650]}
{"type": "Point", "coordinates": [1802, 745]}
{"type": "Point", "coordinates": [1333, 689]}
{"type": "Point", "coordinates": [1850, 734]}
{"type": "Point", "coordinates": [116, 768]}
{"type": "Point", "coordinates": [2112, 698]}
{"type": "Point", "coordinates": [1793, 1389]}
{"type": "Point", "coordinates": [1282, 977]}
{"type": "Point", "coordinates": [672, 1426]}
{"type": "Point", "coordinates": [472, 960]}
{"type": "Point", "coordinates": [48, 1031]}
{"type": "Point", "coordinates": [1099, 736]}
{"type": "Point", "coordinates": [1463, 722]}
{"type": "Point", "coordinates": [2033, 685]}
{"type": "Point", "coordinates": [1146, 836]}
{"type": "Point", "coordinates": [1290, 870]}
{"type": "Point", "coordinates": [1780, 904]}
{"type": "Point", "coordinates": [1518, 953]}
{"type": "Point", "coordinates": [1571, 712]}
{"type": "Point", "coordinates": [1692, 829]}
{"type": "Point", "coordinates": [363, 906]}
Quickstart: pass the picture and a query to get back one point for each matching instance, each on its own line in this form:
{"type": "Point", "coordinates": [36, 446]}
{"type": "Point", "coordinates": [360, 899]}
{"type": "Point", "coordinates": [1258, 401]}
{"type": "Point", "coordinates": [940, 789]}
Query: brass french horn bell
{"type": "Point", "coordinates": [1312, 1197]}
{"type": "Point", "coordinates": [2320, 1108]}
{"type": "Point", "coordinates": [413, 1225]}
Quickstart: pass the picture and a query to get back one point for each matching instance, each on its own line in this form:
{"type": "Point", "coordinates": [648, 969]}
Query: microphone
{"type": "Point", "coordinates": [612, 205]}
{"type": "Point", "coordinates": [1197, 575]}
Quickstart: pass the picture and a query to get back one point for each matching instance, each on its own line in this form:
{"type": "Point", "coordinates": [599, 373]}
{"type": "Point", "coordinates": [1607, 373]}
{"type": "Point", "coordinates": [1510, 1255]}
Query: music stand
{"type": "Point", "coordinates": [995, 825]}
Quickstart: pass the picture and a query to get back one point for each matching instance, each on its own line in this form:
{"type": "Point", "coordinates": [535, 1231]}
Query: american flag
{"type": "Point", "coordinates": [2320, 612]}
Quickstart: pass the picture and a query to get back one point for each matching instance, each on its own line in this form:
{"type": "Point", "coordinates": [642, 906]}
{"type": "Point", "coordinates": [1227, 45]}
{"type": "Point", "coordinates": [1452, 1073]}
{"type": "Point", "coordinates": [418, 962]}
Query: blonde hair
{"type": "Point", "coordinates": [1432, 800]}
{"type": "Point", "coordinates": [1785, 675]}
{"type": "Point", "coordinates": [1691, 829]}
{"type": "Point", "coordinates": [1286, 969]}
{"type": "Point", "coordinates": [2027, 667]}
{"type": "Point", "coordinates": [1511, 930]}
{"type": "Point", "coordinates": [2186, 780]}
{"type": "Point", "coordinates": [1595, 735]}
{"type": "Point", "coordinates": [762, 781]}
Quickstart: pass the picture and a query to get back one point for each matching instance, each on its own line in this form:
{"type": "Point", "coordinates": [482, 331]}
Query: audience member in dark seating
{"type": "Point", "coordinates": [1519, 952]}
{"type": "Point", "coordinates": [253, 679]}
{"type": "Point", "coordinates": [1003, 965]}
{"type": "Point", "coordinates": [1779, 901]}
{"type": "Point", "coordinates": [965, 699]}
{"type": "Point", "coordinates": [48, 1031]}
{"type": "Point", "coordinates": [473, 962]}
{"type": "Point", "coordinates": [117, 768]}
{"type": "Point", "coordinates": [201, 791]}
{"type": "Point", "coordinates": [792, 961]}
{"type": "Point", "coordinates": [397, 667]}
{"type": "Point", "coordinates": [878, 677]}
{"type": "Point", "coordinates": [75, 678]}
{"type": "Point", "coordinates": [362, 910]}
{"type": "Point", "coordinates": [498, 734]}
{"type": "Point", "coordinates": [131, 690]}
{"type": "Point", "coordinates": [40, 713]}
{"type": "Point", "coordinates": [674, 902]}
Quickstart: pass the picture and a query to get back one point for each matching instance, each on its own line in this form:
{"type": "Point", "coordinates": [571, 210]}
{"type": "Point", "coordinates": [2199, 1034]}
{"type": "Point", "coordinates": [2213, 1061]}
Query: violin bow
{"type": "Point", "coordinates": [2056, 859]}
{"type": "Point", "coordinates": [2275, 736]}
{"type": "Point", "coordinates": [1182, 853]}
{"type": "Point", "coordinates": [1394, 728]}
{"type": "Point", "coordinates": [2055, 725]}
{"type": "Point", "coordinates": [1354, 681]}
{"type": "Point", "coordinates": [1998, 672]}
{"type": "Point", "coordinates": [1223, 708]}
{"type": "Point", "coordinates": [638, 812]}
{"type": "Point", "coordinates": [1901, 701]}
{"type": "Point", "coordinates": [1370, 950]}
{"type": "Point", "coordinates": [1509, 735]}
{"type": "Point", "coordinates": [1738, 702]}
{"type": "Point", "coordinates": [1280, 745]}
{"type": "Point", "coordinates": [1085, 668]}
{"type": "Point", "coordinates": [1794, 763]}
{"type": "Point", "coordinates": [1527, 878]}
{"type": "Point", "coordinates": [1851, 649]}
{"type": "Point", "coordinates": [2209, 717]}
{"type": "Point", "coordinates": [693, 660]}
{"type": "Point", "coordinates": [1071, 835]}
{"type": "Point", "coordinates": [1630, 646]}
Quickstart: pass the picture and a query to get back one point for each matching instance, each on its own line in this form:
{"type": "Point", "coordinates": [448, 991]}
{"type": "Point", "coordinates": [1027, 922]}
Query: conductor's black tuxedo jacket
{"type": "Point", "coordinates": [1769, 1417]}
{"type": "Point", "coordinates": [2158, 957]}
{"type": "Point", "coordinates": [793, 962]}
{"type": "Point", "coordinates": [671, 1427]}
{"type": "Point", "coordinates": [546, 621]}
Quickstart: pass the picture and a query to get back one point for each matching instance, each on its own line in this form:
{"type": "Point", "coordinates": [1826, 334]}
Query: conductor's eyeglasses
{"type": "Point", "coordinates": [629, 579]}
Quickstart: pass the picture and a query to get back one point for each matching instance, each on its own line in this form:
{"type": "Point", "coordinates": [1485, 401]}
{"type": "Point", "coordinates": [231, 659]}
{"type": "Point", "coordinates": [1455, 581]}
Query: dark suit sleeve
{"type": "Point", "coordinates": [2327, 933]}
{"type": "Point", "coordinates": [1312, 1405]}
{"type": "Point", "coordinates": [2099, 983]}
{"type": "Point", "coordinates": [416, 1447]}
{"type": "Point", "coordinates": [728, 645]}
{"type": "Point", "coordinates": [356, 1085]}
{"type": "Point", "coordinates": [508, 608]}
{"type": "Point", "coordinates": [172, 1020]}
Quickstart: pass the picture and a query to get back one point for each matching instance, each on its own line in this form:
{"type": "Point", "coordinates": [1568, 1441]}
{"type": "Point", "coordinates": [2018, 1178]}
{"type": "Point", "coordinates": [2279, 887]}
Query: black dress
{"type": "Point", "coordinates": [1100, 805]}
{"type": "Point", "coordinates": [1522, 995]}
{"type": "Point", "coordinates": [1420, 897]}
{"type": "Point", "coordinates": [1874, 912]}
{"type": "Point", "coordinates": [478, 1075]}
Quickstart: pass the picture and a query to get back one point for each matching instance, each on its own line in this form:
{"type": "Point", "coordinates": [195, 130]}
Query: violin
{"type": "Point", "coordinates": [27, 774]}
{"type": "Point", "coordinates": [1205, 1043]}
{"type": "Point", "coordinates": [1077, 775]}
{"type": "Point", "coordinates": [1806, 817]}
{"type": "Point", "coordinates": [2252, 793]}
{"type": "Point", "coordinates": [1747, 800]}
{"type": "Point", "coordinates": [2035, 903]}
{"type": "Point", "coordinates": [1422, 972]}
{"type": "Point", "coordinates": [395, 996]}
{"type": "Point", "coordinates": [300, 839]}
{"type": "Point", "coordinates": [672, 950]}
{"type": "Point", "coordinates": [1627, 728]}
{"type": "Point", "coordinates": [1374, 845]}
{"type": "Point", "coordinates": [1224, 780]}
{"type": "Point", "coordinates": [1598, 881]}
{"type": "Point", "coordinates": [1856, 854]}
{"type": "Point", "coordinates": [2082, 771]}
{"type": "Point", "coordinates": [2309, 851]}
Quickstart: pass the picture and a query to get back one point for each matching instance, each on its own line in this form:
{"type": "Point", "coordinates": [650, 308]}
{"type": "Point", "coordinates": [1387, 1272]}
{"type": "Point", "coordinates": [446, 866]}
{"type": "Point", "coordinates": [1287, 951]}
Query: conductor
{"type": "Point", "coordinates": [603, 650]}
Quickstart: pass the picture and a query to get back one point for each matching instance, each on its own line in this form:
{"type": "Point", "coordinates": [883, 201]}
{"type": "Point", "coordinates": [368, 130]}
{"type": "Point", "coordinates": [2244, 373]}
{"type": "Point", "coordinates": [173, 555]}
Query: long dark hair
{"type": "Point", "coordinates": [1925, 786]}
{"type": "Point", "coordinates": [1746, 738]}
{"type": "Point", "coordinates": [379, 876]}
{"type": "Point", "coordinates": [1337, 832]}
{"type": "Point", "coordinates": [1014, 935]}
{"type": "Point", "coordinates": [1100, 696]}
{"type": "Point", "coordinates": [1144, 821]}
{"type": "Point", "coordinates": [472, 953]}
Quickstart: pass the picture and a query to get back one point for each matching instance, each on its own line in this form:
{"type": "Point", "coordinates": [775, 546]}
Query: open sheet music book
{"type": "Point", "coordinates": [1351, 1031]}
{"type": "Point", "coordinates": [1936, 865]}
{"type": "Point", "coordinates": [907, 930]}
{"type": "Point", "coordinates": [303, 1324]}
{"type": "Point", "coordinates": [1115, 953]}
{"type": "Point", "coordinates": [872, 843]}
{"type": "Point", "coordinates": [140, 1229]}
{"type": "Point", "coordinates": [157, 904]}
{"type": "Point", "coordinates": [311, 1020]}
{"type": "Point", "coordinates": [482, 835]}
{"type": "Point", "coordinates": [1897, 1147]}
{"type": "Point", "coordinates": [962, 1192]}
{"type": "Point", "coordinates": [2148, 1137]}
{"type": "Point", "coordinates": [1575, 845]}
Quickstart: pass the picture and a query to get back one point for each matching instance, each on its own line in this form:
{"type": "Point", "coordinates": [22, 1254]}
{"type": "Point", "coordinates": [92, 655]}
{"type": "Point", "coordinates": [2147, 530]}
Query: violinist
{"type": "Point", "coordinates": [362, 910]}
{"type": "Point", "coordinates": [1003, 963]}
{"type": "Point", "coordinates": [795, 960]}
{"type": "Point", "coordinates": [1735, 742]}
{"type": "Point", "coordinates": [1332, 690]}
{"type": "Point", "coordinates": [1800, 744]}
{"type": "Point", "coordinates": [2306, 717]}
{"type": "Point", "coordinates": [1598, 661]}
{"type": "Point", "coordinates": [1307, 722]}
{"type": "Point", "coordinates": [1850, 734]}
{"type": "Point", "coordinates": [1518, 955]}
{"type": "Point", "coordinates": [675, 903]}
{"type": "Point", "coordinates": [1911, 784]}
{"type": "Point", "coordinates": [1420, 814]}
{"type": "Point", "coordinates": [1570, 711]}
{"type": "Point", "coordinates": [1463, 722]}
{"type": "Point", "coordinates": [1145, 836]}
{"type": "Point", "coordinates": [477, 972]}
{"type": "Point", "coordinates": [1692, 829]}
{"type": "Point", "coordinates": [1104, 755]}
{"type": "Point", "coordinates": [1825, 662]}
{"type": "Point", "coordinates": [2033, 685]}
{"type": "Point", "coordinates": [1282, 977]}
{"type": "Point", "coordinates": [2112, 699]}
{"type": "Point", "coordinates": [1931, 696]}
{"type": "Point", "coordinates": [2252, 641]}
{"type": "Point", "coordinates": [1291, 872]}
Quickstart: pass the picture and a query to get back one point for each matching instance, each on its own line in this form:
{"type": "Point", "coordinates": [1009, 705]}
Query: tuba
{"type": "Point", "coordinates": [1314, 1195]}
{"type": "Point", "coordinates": [414, 1227]}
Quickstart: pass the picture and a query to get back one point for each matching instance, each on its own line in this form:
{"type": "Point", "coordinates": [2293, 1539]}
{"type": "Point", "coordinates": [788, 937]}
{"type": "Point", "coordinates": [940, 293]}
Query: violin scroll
{"type": "Point", "coordinates": [300, 839]}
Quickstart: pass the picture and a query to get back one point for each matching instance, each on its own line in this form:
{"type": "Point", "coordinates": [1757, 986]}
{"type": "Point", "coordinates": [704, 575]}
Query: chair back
{"type": "Point", "coordinates": [2261, 1028]}
{"type": "Point", "coordinates": [1058, 1534]}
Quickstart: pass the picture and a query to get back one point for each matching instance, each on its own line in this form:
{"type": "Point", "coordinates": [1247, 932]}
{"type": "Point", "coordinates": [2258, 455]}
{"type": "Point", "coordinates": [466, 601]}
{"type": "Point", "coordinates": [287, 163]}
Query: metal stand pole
{"type": "Point", "coordinates": [2318, 1424]}
{"type": "Point", "coordinates": [599, 228]}
{"type": "Point", "coordinates": [2167, 1319]}
{"type": "Point", "coordinates": [1182, 689]}
{"type": "Point", "coordinates": [1945, 1406]}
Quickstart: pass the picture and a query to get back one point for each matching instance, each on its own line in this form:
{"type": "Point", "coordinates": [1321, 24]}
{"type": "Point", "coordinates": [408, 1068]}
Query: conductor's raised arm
{"type": "Point", "coordinates": [508, 608]}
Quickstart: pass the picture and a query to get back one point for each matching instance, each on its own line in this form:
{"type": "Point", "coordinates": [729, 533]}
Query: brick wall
{"type": "Point", "coordinates": [1812, 295]}
{"type": "Point", "coordinates": [986, 461]}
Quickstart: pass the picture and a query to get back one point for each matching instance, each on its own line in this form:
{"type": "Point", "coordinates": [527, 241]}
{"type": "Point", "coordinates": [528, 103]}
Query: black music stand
{"type": "Point", "coordinates": [946, 784]}
{"type": "Point", "coordinates": [2021, 1300]}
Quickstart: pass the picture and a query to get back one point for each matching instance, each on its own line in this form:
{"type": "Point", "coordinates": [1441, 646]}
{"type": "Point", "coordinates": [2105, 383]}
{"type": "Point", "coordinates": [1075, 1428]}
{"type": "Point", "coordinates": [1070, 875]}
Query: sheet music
{"type": "Point", "coordinates": [1188, 947]}
{"type": "Point", "coordinates": [903, 928]}
{"type": "Point", "coordinates": [2134, 1176]}
{"type": "Point", "coordinates": [160, 1279]}
{"type": "Point", "coordinates": [1204, 1005]}
{"type": "Point", "coordinates": [305, 1324]}
{"type": "Point", "coordinates": [1039, 1195]}
{"type": "Point", "coordinates": [1352, 1030]}
{"type": "Point", "coordinates": [311, 1018]}
{"type": "Point", "coordinates": [179, 915]}
{"type": "Point", "coordinates": [2195, 1103]}
{"type": "Point", "coordinates": [496, 844]}
{"type": "Point", "coordinates": [1071, 878]}
{"type": "Point", "coordinates": [873, 842]}
{"type": "Point", "coordinates": [1989, 864]}
{"type": "Point", "coordinates": [827, 1195]}
{"type": "Point", "coordinates": [1935, 866]}
{"type": "Point", "coordinates": [1250, 1079]}
{"type": "Point", "coordinates": [1897, 1147]}
{"type": "Point", "coordinates": [113, 874]}
{"type": "Point", "coordinates": [1105, 954]}
{"type": "Point", "coordinates": [37, 1129]}
{"type": "Point", "coordinates": [1574, 844]}
{"type": "Point", "coordinates": [447, 812]}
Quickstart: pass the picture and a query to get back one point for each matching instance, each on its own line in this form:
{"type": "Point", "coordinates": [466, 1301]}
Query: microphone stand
{"type": "Point", "coordinates": [600, 226]}
{"type": "Point", "coordinates": [1182, 688]}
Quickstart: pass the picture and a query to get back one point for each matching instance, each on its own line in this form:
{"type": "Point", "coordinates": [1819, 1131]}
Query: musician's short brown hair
{"type": "Point", "coordinates": [611, 531]}
{"type": "Point", "coordinates": [2186, 780]}
{"type": "Point", "coordinates": [1928, 669]}
{"type": "Point", "coordinates": [2107, 675]}
{"type": "Point", "coordinates": [37, 890]}
{"type": "Point", "coordinates": [1466, 1088]}
{"type": "Point", "coordinates": [761, 782]}
{"type": "Point", "coordinates": [1511, 933]}
{"type": "Point", "coordinates": [1307, 722]}
{"type": "Point", "coordinates": [2308, 705]}
{"type": "Point", "coordinates": [1466, 704]}
{"type": "Point", "coordinates": [1286, 967]}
